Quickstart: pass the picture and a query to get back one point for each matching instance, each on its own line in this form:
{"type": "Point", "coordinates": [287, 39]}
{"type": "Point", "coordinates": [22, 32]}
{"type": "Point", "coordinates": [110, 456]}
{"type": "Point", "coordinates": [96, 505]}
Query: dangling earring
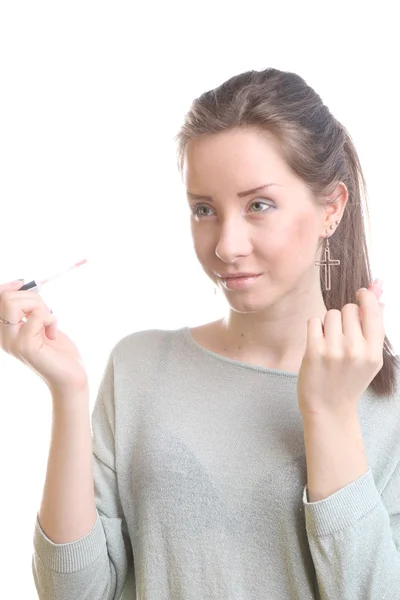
{"type": "Point", "coordinates": [327, 263]}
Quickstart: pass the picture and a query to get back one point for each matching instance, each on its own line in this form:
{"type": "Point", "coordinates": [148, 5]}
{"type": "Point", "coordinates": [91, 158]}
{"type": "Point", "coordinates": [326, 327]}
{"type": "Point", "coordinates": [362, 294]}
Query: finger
{"type": "Point", "coordinates": [315, 336]}
{"type": "Point", "coordinates": [14, 304]}
{"type": "Point", "coordinates": [50, 325]}
{"type": "Point", "coordinates": [371, 315]}
{"type": "Point", "coordinates": [39, 322]}
{"type": "Point", "coordinates": [352, 324]}
{"type": "Point", "coordinates": [39, 319]}
{"type": "Point", "coordinates": [378, 291]}
{"type": "Point", "coordinates": [12, 285]}
{"type": "Point", "coordinates": [333, 330]}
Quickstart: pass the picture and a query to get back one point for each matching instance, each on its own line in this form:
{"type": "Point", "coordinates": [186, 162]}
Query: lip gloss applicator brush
{"type": "Point", "coordinates": [35, 286]}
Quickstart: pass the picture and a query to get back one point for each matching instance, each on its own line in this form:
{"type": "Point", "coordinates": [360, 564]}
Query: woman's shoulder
{"type": "Point", "coordinates": [145, 342]}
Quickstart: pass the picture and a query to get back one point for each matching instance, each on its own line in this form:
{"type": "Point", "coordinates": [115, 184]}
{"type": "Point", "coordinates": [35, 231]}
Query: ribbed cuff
{"type": "Point", "coordinates": [343, 508]}
{"type": "Point", "coordinates": [73, 556]}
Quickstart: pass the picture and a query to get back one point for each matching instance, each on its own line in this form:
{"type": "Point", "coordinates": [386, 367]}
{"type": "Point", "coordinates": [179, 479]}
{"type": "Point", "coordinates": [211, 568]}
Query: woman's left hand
{"type": "Point", "coordinates": [342, 356]}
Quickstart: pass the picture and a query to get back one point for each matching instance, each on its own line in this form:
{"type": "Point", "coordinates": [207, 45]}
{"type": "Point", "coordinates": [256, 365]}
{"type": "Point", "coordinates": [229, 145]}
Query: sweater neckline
{"type": "Point", "coordinates": [189, 339]}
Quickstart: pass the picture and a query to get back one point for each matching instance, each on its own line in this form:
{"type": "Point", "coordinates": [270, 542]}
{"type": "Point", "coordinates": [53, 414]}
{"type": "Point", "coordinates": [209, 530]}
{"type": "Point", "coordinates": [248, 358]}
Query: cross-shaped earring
{"type": "Point", "coordinates": [327, 263]}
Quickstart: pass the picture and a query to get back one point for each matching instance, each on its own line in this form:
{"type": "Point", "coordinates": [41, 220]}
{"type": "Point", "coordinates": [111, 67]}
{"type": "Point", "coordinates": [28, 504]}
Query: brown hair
{"type": "Point", "coordinates": [319, 150]}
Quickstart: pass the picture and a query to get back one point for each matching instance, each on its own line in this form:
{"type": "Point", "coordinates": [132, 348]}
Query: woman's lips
{"type": "Point", "coordinates": [239, 283]}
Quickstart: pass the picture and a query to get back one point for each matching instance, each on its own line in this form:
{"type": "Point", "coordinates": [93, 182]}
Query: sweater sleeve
{"type": "Point", "coordinates": [354, 538]}
{"type": "Point", "coordinates": [94, 567]}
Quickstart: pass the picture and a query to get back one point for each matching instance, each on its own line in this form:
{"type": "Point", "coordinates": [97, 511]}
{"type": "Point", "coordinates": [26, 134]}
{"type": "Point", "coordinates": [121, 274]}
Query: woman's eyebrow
{"type": "Point", "coordinates": [192, 196]}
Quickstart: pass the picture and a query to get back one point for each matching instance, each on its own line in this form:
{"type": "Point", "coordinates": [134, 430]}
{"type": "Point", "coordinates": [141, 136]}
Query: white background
{"type": "Point", "coordinates": [91, 96]}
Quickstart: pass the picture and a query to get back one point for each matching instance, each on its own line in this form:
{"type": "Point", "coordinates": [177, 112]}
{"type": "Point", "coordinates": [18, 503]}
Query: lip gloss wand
{"type": "Point", "coordinates": [35, 286]}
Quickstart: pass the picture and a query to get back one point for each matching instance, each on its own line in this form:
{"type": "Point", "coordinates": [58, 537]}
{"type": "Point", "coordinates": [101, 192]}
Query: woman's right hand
{"type": "Point", "coordinates": [37, 342]}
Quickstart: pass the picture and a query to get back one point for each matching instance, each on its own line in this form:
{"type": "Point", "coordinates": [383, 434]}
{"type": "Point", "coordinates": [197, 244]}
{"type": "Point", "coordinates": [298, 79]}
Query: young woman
{"type": "Point", "coordinates": [257, 456]}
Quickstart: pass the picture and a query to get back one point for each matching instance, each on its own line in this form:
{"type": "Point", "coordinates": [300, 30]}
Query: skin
{"type": "Point", "coordinates": [275, 232]}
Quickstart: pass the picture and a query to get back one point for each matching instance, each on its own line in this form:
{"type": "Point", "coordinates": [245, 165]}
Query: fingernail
{"type": "Point", "coordinates": [378, 283]}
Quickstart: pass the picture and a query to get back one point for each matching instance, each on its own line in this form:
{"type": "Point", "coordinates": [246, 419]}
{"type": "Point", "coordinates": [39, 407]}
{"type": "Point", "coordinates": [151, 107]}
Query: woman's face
{"type": "Point", "coordinates": [272, 232]}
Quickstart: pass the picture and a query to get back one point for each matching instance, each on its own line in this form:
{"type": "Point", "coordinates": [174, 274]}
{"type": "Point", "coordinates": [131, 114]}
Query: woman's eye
{"type": "Point", "coordinates": [197, 207]}
{"type": "Point", "coordinates": [258, 202]}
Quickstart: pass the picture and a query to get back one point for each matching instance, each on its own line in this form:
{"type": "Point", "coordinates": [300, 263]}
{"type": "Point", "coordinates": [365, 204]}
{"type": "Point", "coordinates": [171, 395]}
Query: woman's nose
{"type": "Point", "coordinates": [233, 241]}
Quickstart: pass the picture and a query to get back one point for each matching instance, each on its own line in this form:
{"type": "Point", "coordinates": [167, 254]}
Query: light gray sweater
{"type": "Point", "coordinates": [200, 478]}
